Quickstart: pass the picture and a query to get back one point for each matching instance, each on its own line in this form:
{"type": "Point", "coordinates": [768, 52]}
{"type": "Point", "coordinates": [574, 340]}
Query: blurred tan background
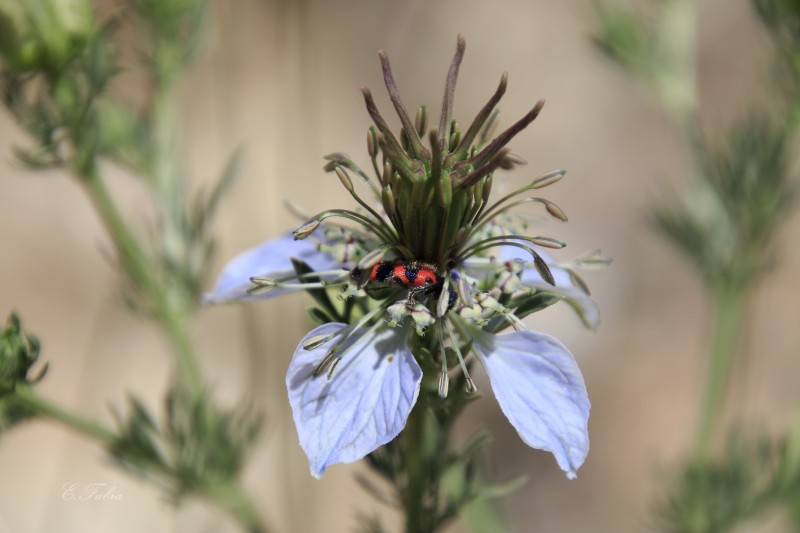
{"type": "Point", "coordinates": [282, 79]}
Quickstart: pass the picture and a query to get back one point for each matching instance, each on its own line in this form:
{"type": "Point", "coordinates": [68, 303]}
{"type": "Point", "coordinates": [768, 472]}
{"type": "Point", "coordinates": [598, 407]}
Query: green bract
{"type": "Point", "coordinates": [436, 195]}
{"type": "Point", "coordinates": [18, 352]}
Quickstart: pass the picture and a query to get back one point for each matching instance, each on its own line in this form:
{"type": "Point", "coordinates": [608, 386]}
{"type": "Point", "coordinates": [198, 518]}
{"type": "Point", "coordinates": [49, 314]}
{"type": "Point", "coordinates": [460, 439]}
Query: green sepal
{"type": "Point", "coordinates": [321, 317]}
{"type": "Point", "coordinates": [536, 302]}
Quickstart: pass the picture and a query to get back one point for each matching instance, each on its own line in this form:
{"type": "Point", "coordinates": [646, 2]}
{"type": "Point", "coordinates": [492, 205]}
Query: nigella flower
{"type": "Point", "coordinates": [422, 277]}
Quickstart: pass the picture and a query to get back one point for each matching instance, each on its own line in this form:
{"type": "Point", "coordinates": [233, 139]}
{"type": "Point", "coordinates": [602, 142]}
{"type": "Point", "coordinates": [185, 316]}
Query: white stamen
{"type": "Point", "coordinates": [358, 325]}
{"type": "Point", "coordinates": [444, 385]}
{"type": "Point", "coordinates": [444, 298]}
{"type": "Point", "coordinates": [444, 378]}
{"type": "Point", "coordinates": [316, 341]}
{"type": "Point", "coordinates": [470, 384]}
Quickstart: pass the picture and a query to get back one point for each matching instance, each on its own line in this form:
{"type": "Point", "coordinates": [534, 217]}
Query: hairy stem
{"type": "Point", "coordinates": [418, 515]}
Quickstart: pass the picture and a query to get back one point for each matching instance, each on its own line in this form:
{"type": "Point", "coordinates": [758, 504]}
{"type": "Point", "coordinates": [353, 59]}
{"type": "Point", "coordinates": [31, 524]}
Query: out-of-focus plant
{"type": "Point", "coordinates": [742, 188]}
{"type": "Point", "coordinates": [58, 59]}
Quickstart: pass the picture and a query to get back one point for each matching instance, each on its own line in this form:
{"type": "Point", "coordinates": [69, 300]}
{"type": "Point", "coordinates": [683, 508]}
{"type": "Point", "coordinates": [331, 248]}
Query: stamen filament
{"type": "Point", "coordinates": [548, 178]}
{"type": "Point", "coordinates": [540, 241]}
{"type": "Point", "coordinates": [494, 211]}
{"type": "Point", "coordinates": [361, 219]}
{"type": "Point", "coordinates": [339, 159]}
{"type": "Point", "coordinates": [378, 218]}
{"type": "Point", "coordinates": [267, 283]}
{"type": "Point", "coordinates": [538, 262]}
{"type": "Point", "coordinates": [515, 322]}
{"type": "Point", "coordinates": [339, 356]}
{"type": "Point", "coordinates": [470, 384]}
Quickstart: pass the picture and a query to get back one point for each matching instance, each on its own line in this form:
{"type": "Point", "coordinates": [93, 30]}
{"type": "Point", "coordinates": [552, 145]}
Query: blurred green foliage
{"type": "Point", "coordinates": [742, 187]}
{"type": "Point", "coordinates": [19, 351]}
{"type": "Point", "coordinates": [57, 61]}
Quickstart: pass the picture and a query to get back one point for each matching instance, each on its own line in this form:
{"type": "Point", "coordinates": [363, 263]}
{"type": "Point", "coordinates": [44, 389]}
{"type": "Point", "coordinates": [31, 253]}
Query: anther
{"type": "Point", "coordinates": [306, 229]}
{"type": "Point", "coordinates": [325, 363]}
{"type": "Point", "coordinates": [444, 384]}
{"type": "Point", "coordinates": [333, 366]}
{"type": "Point", "coordinates": [316, 342]}
{"type": "Point", "coordinates": [547, 179]}
{"type": "Point", "coordinates": [548, 242]}
{"type": "Point", "coordinates": [264, 282]}
{"type": "Point", "coordinates": [372, 142]}
{"type": "Point", "coordinates": [556, 211]}
{"type": "Point", "coordinates": [347, 183]}
{"type": "Point", "coordinates": [444, 378]}
{"type": "Point", "coordinates": [443, 304]}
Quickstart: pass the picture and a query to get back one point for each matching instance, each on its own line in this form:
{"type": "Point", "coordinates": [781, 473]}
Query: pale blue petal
{"type": "Point", "coordinates": [540, 389]}
{"type": "Point", "coordinates": [269, 259]}
{"type": "Point", "coordinates": [363, 406]}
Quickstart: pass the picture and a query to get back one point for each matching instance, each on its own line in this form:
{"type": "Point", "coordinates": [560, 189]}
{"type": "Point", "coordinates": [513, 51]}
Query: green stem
{"type": "Point", "coordinates": [727, 329]}
{"type": "Point", "coordinates": [231, 498]}
{"type": "Point", "coordinates": [169, 314]}
{"type": "Point", "coordinates": [25, 395]}
{"type": "Point", "coordinates": [413, 438]}
{"type": "Point", "coordinates": [227, 496]}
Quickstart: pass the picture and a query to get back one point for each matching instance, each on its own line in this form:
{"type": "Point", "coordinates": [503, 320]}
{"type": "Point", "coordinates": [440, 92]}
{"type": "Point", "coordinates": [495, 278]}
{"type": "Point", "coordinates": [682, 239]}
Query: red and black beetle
{"type": "Point", "coordinates": [416, 276]}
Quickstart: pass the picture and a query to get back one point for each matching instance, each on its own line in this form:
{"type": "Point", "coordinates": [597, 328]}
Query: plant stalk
{"type": "Point", "coordinates": [729, 304]}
